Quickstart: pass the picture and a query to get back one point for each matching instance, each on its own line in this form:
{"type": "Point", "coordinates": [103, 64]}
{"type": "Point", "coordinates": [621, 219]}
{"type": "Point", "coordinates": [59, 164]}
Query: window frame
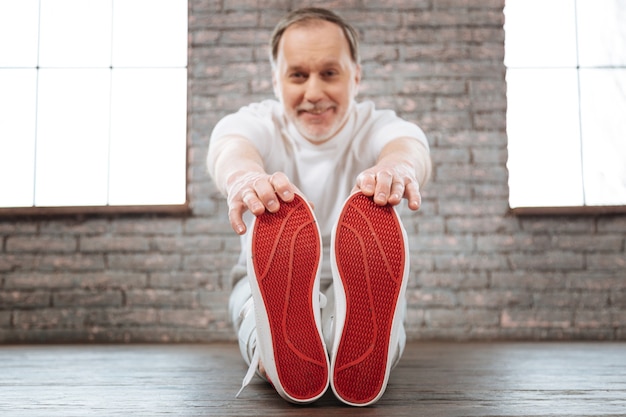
{"type": "Point", "coordinates": [173, 209]}
{"type": "Point", "coordinates": [567, 210]}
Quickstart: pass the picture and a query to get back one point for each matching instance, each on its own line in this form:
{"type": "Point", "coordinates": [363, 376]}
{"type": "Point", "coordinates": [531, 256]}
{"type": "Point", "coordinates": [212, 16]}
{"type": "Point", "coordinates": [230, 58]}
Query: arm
{"type": "Point", "coordinates": [403, 166]}
{"type": "Point", "coordinates": [238, 172]}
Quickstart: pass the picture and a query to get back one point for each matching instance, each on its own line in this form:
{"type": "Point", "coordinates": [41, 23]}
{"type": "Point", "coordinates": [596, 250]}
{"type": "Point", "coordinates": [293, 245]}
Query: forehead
{"type": "Point", "coordinates": [311, 41]}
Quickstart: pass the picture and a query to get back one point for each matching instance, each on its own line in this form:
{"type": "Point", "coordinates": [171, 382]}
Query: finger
{"type": "Point", "coordinates": [366, 182]}
{"type": "Point", "coordinates": [397, 191]}
{"type": "Point", "coordinates": [413, 195]}
{"type": "Point", "coordinates": [235, 216]}
{"type": "Point", "coordinates": [282, 186]}
{"type": "Point", "coordinates": [252, 202]}
{"type": "Point", "coordinates": [384, 180]}
{"type": "Point", "coordinates": [266, 195]}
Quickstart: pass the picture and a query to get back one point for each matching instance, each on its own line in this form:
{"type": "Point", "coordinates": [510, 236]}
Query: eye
{"type": "Point", "coordinates": [330, 73]}
{"type": "Point", "coordinates": [297, 76]}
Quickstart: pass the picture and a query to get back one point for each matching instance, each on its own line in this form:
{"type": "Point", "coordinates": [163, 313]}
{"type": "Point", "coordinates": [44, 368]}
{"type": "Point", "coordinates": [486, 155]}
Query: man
{"type": "Point", "coordinates": [353, 164]}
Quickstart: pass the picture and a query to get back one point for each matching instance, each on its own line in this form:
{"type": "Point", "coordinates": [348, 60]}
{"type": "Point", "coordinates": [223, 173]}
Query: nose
{"type": "Point", "coordinates": [314, 91]}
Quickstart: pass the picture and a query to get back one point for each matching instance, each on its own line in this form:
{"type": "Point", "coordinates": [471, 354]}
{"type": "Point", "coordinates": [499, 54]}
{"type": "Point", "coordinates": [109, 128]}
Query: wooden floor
{"type": "Point", "coordinates": [433, 379]}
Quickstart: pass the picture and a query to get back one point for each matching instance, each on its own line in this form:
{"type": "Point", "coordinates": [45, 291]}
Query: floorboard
{"type": "Point", "coordinates": [433, 379]}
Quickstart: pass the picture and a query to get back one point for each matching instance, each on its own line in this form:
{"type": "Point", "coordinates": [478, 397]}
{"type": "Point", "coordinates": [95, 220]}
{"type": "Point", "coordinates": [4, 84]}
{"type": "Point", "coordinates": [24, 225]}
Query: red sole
{"type": "Point", "coordinates": [285, 255]}
{"type": "Point", "coordinates": [370, 258]}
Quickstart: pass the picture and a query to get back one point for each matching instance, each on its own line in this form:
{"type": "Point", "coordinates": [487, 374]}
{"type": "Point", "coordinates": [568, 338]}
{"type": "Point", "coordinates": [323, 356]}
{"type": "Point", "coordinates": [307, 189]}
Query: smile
{"type": "Point", "coordinates": [315, 111]}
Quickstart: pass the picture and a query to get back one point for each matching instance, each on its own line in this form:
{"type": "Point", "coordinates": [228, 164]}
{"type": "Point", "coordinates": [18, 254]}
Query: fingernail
{"type": "Point", "coordinates": [257, 207]}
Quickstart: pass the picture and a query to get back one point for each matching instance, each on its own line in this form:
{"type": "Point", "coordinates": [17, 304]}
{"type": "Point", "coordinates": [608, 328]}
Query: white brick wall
{"type": "Point", "coordinates": [477, 272]}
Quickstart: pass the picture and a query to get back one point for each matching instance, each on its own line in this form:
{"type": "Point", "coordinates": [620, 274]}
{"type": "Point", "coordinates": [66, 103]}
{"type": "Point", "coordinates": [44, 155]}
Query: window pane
{"type": "Point", "coordinates": [73, 130]}
{"type": "Point", "coordinates": [17, 136]}
{"type": "Point", "coordinates": [148, 124]}
{"type": "Point", "coordinates": [19, 22]}
{"type": "Point", "coordinates": [150, 33]}
{"type": "Point", "coordinates": [603, 104]}
{"type": "Point", "coordinates": [75, 33]}
{"type": "Point", "coordinates": [602, 32]}
{"type": "Point", "coordinates": [540, 33]}
{"type": "Point", "coordinates": [544, 138]}
{"type": "Point", "coordinates": [72, 137]}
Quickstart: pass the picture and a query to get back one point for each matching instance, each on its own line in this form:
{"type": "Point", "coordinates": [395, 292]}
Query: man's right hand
{"type": "Point", "coordinates": [257, 192]}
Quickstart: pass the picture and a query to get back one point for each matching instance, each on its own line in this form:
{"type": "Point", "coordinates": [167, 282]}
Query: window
{"type": "Point", "coordinates": [93, 103]}
{"type": "Point", "coordinates": [566, 92]}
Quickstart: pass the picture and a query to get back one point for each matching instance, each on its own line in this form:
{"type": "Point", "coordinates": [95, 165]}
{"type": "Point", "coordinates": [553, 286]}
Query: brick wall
{"type": "Point", "coordinates": [477, 271]}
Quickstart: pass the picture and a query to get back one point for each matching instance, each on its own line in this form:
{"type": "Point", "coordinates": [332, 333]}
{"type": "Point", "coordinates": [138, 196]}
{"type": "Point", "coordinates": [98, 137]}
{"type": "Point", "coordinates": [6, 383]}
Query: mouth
{"type": "Point", "coordinates": [315, 111]}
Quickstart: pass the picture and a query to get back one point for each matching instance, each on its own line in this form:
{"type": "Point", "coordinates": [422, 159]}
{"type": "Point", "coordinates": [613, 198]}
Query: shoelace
{"type": "Point", "coordinates": [256, 357]}
{"type": "Point", "coordinates": [254, 364]}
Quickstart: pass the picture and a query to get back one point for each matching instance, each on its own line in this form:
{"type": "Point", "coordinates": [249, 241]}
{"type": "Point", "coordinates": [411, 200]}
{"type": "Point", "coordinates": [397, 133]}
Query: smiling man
{"type": "Point", "coordinates": [316, 79]}
{"type": "Point", "coordinates": [311, 182]}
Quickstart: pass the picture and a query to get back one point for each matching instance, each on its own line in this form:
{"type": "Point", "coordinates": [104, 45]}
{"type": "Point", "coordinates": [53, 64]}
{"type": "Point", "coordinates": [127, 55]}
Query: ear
{"type": "Point", "coordinates": [357, 79]}
{"type": "Point", "coordinates": [275, 84]}
{"type": "Point", "coordinates": [357, 74]}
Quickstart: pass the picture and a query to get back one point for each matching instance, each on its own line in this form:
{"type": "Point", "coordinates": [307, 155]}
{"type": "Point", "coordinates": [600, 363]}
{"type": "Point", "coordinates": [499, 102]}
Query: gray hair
{"type": "Point", "coordinates": [309, 14]}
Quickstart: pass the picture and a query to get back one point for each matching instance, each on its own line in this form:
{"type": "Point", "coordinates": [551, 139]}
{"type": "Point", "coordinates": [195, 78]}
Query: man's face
{"type": "Point", "coordinates": [315, 78]}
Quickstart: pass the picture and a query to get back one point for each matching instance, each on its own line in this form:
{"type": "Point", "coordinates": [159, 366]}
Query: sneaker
{"type": "Point", "coordinates": [285, 255]}
{"type": "Point", "coordinates": [370, 261]}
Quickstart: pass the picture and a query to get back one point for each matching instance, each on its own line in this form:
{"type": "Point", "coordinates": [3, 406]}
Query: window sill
{"type": "Point", "coordinates": [568, 211]}
{"type": "Point", "coordinates": [174, 210]}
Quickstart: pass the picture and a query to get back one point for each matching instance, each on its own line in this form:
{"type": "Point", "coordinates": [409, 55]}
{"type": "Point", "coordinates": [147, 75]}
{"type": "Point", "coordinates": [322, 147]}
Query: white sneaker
{"type": "Point", "coordinates": [370, 261]}
{"type": "Point", "coordinates": [285, 252]}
